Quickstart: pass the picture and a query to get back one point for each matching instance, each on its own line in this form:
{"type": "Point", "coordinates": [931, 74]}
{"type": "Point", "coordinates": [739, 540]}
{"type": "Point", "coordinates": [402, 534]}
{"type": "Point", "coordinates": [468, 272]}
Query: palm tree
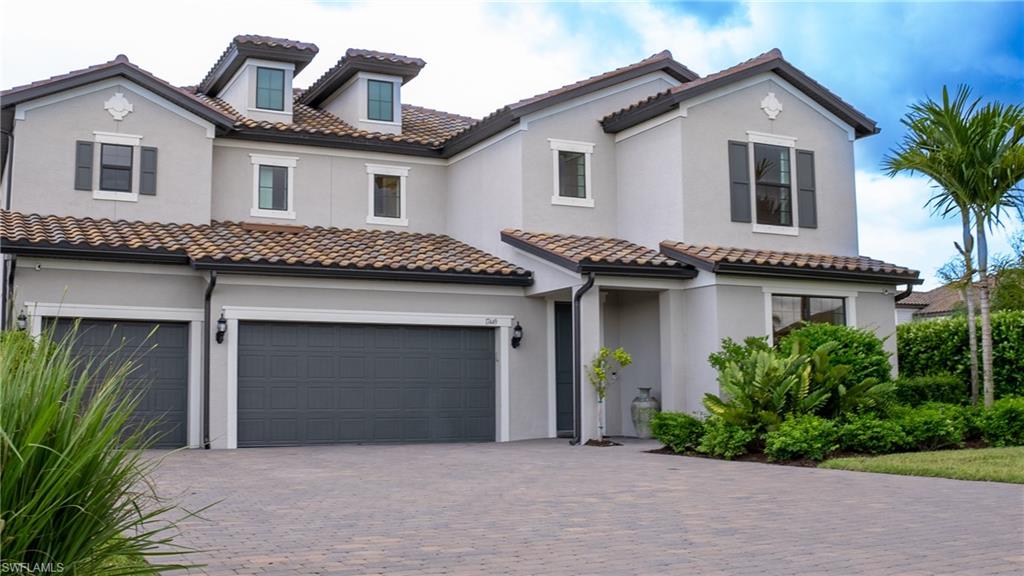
{"type": "Point", "coordinates": [936, 145]}
{"type": "Point", "coordinates": [995, 169]}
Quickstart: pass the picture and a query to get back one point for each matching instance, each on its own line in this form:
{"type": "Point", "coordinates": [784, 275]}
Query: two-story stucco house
{"type": "Point", "coordinates": [334, 264]}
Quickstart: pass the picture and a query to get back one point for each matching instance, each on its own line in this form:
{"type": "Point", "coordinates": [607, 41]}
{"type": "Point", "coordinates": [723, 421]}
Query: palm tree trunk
{"type": "Point", "coordinates": [972, 326]}
{"type": "Point", "coordinates": [986, 323]}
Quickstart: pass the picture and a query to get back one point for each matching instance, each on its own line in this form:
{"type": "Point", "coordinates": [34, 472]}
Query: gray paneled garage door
{"type": "Point", "coordinates": [162, 373]}
{"type": "Point", "coordinates": [329, 383]}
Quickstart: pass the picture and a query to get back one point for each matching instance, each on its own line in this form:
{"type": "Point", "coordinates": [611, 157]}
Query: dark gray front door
{"type": "Point", "coordinates": [329, 383]}
{"type": "Point", "coordinates": [563, 368]}
{"type": "Point", "coordinates": [161, 377]}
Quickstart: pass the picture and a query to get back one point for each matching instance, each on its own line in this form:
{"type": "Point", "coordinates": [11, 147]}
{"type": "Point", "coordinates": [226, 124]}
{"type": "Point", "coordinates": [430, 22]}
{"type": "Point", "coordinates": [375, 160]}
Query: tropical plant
{"type": "Point", "coordinates": [602, 370]}
{"type": "Point", "coordinates": [733, 351]}
{"type": "Point", "coordinates": [934, 145]}
{"type": "Point", "coordinates": [1008, 289]}
{"type": "Point", "coordinates": [843, 393]}
{"type": "Point", "coordinates": [74, 488]}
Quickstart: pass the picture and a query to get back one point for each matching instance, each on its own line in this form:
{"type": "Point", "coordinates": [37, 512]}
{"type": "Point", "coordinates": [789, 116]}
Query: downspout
{"type": "Point", "coordinates": [207, 325]}
{"type": "Point", "coordinates": [8, 296]}
{"type": "Point", "coordinates": [9, 168]}
{"type": "Point", "coordinates": [903, 295]}
{"type": "Point", "coordinates": [577, 360]}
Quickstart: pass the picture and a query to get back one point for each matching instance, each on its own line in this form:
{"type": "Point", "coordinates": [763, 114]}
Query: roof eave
{"type": "Point", "coordinates": [584, 266]}
{"type": "Point", "coordinates": [324, 88]}
{"type": "Point", "coordinates": [238, 54]}
{"type": "Point", "coordinates": [108, 254]}
{"type": "Point", "coordinates": [814, 273]}
{"type": "Point", "coordinates": [334, 141]}
{"type": "Point", "coordinates": [267, 269]}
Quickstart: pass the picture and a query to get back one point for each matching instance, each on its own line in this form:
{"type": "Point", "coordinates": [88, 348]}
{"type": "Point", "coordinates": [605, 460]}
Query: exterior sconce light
{"type": "Point", "coordinates": [517, 335]}
{"type": "Point", "coordinates": [222, 328]}
{"type": "Point", "coordinates": [22, 321]}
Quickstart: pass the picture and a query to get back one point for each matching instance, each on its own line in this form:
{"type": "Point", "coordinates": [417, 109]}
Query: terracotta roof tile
{"type": "Point", "coordinates": [579, 252]}
{"type": "Point", "coordinates": [384, 57]}
{"type": "Point", "coordinates": [420, 125]}
{"type": "Point", "coordinates": [940, 301]}
{"type": "Point", "coordinates": [719, 258]}
{"type": "Point", "coordinates": [232, 242]}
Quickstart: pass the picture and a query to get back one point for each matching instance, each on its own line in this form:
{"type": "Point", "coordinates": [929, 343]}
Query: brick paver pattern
{"type": "Point", "coordinates": [543, 507]}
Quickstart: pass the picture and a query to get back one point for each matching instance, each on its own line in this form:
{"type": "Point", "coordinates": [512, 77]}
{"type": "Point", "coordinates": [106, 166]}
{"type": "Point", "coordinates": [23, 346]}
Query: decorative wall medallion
{"type": "Point", "coordinates": [771, 106]}
{"type": "Point", "coordinates": [118, 106]}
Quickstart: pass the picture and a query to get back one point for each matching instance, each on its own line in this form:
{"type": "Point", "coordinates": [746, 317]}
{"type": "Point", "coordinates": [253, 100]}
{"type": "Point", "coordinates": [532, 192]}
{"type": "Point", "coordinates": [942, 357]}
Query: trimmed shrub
{"type": "Point", "coordinates": [869, 434]}
{"type": "Point", "coordinates": [680, 432]}
{"type": "Point", "coordinates": [806, 436]}
{"type": "Point", "coordinates": [933, 426]}
{"type": "Point", "coordinates": [859, 349]}
{"type": "Point", "coordinates": [917, 390]}
{"type": "Point", "coordinates": [725, 440]}
{"type": "Point", "coordinates": [1003, 423]}
{"type": "Point", "coordinates": [940, 347]}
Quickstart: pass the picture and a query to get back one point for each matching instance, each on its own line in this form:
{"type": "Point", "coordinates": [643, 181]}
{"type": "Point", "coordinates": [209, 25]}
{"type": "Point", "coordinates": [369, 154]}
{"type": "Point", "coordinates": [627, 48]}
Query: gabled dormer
{"type": "Point", "coordinates": [365, 89]}
{"type": "Point", "coordinates": [254, 75]}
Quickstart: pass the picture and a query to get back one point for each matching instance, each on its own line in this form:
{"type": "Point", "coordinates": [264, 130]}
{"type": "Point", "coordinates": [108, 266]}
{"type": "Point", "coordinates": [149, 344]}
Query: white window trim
{"type": "Point", "coordinates": [194, 317]}
{"type": "Point", "coordinates": [133, 140]}
{"type": "Point", "coordinates": [264, 160]}
{"type": "Point", "coordinates": [849, 302]}
{"type": "Point", "coordinates": [501, 323]}
{"type": "Point", "coordinates": [385, 170]}
{"type": "Point", "coordinates": [396, 94]}
{"type": "Point", "coordinates": [585, 148]}
{"type": "Point", "coordinates": [773, 140]}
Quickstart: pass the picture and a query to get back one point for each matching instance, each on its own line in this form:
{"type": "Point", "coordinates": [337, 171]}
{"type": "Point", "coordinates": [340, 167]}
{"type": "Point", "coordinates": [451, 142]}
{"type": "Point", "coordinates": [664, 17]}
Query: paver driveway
{"type": "Point", "coordinates": [543, 507]}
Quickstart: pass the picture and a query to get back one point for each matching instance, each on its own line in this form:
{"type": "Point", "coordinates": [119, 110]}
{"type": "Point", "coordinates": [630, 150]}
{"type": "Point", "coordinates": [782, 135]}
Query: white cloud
{"type": "Point", "coordinates": [895, 225]}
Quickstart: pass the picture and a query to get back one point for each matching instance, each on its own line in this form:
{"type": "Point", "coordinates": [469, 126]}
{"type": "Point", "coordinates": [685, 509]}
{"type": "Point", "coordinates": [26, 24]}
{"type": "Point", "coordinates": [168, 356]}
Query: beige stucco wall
{"type": "Point", "coordinates": [44, 158]}
{"type": "Point", "coordinates": [331, 189]}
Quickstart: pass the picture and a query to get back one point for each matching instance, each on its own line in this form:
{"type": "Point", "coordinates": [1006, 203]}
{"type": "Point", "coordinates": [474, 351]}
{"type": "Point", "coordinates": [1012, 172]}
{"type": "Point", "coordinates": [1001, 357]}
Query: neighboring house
{"type": "Point", "coordinates": [941, 302]}
{"type": "Point", "coordinates": [335, 264]}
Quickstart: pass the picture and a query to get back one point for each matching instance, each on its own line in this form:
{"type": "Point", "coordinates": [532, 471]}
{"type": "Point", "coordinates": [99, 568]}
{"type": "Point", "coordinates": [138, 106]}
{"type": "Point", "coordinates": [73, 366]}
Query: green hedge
{"type": "Point", "coordinates": [934, 347]}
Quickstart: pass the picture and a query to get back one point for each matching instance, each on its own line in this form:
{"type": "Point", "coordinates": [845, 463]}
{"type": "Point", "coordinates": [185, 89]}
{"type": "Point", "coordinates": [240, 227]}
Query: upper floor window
{"type": "Point", "coordinates": [387, 195]}
{"type": "Point", "coordinates": [380, 102]}
{"type": "Point", "coordinates": [572, 186]}
{"type": "Point", "coordinates": [771, 184]}
{"type": "Point", "coordinates": [790, 312]}
{"type": "Point", "coordinates": [116, 167]}
{"type": "Point", "coordinates": [273, 186]}
{"type": "Point", "coordinates": [269, 88]}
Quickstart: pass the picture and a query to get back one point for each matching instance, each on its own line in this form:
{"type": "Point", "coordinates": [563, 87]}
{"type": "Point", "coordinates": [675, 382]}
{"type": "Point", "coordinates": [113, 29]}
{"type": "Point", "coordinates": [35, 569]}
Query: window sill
{"type": "Point", "coordinates": [578, 202]}
{"type": "Point", "coordinates": [382, 122]}
{"type": "Point", "coordinates": [279, 214]}
{"type": "Point", "coordinates": [270, 111]}
{"type": "Point", "coordinates": [387, 221]}
{"type": "Point", "coordinates": [115, 196]}
{"type": "Point", "coordinates": [779, 230]}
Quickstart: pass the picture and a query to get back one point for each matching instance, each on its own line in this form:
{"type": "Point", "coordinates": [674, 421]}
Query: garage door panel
{"type": "Point", "coordinates": [367, 383]}
{"type": "Point", "coordinates": [159, 353]}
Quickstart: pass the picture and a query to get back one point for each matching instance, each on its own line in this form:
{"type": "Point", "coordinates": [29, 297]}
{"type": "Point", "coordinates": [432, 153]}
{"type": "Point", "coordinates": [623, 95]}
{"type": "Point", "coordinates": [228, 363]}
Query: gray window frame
{"type": "Point", "coordinates": [105, 167]}
{"type": "Point", "coordinates": [370, 100]}
{"type": "Point", "coordinates": [273, 179]}
{"type": "Point", "coordinates": [260, 69]}
{"type": "Point", "coordinates": [757, 184]}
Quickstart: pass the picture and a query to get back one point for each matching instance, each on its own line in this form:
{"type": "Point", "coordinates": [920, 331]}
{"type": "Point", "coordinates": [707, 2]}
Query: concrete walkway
{"type": "Point", "coordinates": [543, 507]}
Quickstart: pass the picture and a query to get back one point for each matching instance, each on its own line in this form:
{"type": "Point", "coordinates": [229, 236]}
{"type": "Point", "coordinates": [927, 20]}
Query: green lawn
{"type": "Point", "coordinates": [992, 464]}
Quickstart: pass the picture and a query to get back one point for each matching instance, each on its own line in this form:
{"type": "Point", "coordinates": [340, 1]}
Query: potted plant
{"type": "Point", "coordinates": [604, 370]}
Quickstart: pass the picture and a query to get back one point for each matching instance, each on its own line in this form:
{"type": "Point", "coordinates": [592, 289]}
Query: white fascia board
{"type": "Point", "coordinates": [21, 109]}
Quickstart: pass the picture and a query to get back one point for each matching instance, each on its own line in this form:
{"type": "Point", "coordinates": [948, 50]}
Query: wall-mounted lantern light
{"type": "Point", "coordinates": [22, 321]}
{"type": "Point", "coordinates": [222, 328]}
{"type": "Point", "coordinates": [517, 335]}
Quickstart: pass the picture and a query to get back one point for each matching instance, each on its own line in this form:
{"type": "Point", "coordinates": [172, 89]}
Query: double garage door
{"type": "Point", "coordinates": [315, 383]}
{"type": "Point", "coordinates": [318, 383]}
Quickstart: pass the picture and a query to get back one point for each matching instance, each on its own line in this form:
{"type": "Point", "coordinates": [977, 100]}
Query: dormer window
{"type": "Point", "coordinates": [269, 88]}
{"type": "Point", "coordinates": [380, 103]}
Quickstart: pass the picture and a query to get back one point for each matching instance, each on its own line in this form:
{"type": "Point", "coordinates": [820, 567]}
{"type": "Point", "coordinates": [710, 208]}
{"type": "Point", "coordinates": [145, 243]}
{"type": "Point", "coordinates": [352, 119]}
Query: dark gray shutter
{"type": "Point", "coordinates": [147, 170]}
{"type": "Point", "coordinates": [83, 165]}
{"type": "Point", "coordinates": [806, 195]}
{"type": "Point", "coordinates": [279, 200]}
{"type": "Point", "coordinates": [739, 182]}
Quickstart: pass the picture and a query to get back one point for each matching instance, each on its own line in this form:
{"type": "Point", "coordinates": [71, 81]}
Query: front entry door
{"type": "Point", "coordinates": [563, 368]}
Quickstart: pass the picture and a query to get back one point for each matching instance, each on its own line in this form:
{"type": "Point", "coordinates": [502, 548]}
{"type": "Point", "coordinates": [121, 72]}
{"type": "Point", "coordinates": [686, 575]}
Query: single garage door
{"type": "Point", "coordinates": [330, 383]}
{"type": "Point", "coordinates": [161, 376]}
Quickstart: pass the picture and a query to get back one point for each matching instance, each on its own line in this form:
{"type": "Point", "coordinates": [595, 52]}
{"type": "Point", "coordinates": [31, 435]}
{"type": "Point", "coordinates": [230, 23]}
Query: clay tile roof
{"type": "Point", "coordinates": [770, 59]}
{"type": "Point", "coordinates": [739, 260]}
{"type": "Point", "coordinates": [227, 245]}
{"type": "Point", "coordinates": [420, 126]}
{"type": "Point", "coordinates": [273, 42]}
{"type": "Point", "coordinates": [300, 53]}
{"type": "Point", "coordinates": [384, 56]}
{"type": "Point", "coordinates": [595, 253]}
{"type": "Point", "coordinates": [941, 301]}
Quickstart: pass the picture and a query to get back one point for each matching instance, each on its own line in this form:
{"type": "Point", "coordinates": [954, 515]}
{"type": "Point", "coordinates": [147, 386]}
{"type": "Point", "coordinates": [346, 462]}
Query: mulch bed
{"type": "Point", "coordinates": [602, 444]}
{"type": "Point", "coordinates": [802, 463]}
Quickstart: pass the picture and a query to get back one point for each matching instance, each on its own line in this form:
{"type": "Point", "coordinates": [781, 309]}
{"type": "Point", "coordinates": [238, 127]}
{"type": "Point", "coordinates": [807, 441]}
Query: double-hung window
{"type": "Point", "coordinates": [773, 185]}
{"type": "Point", "coordinates": [789, 312]}
{"type": "Point", "coordinates": [273, 186]}
{"type": "Point", "coordinates": [116, 167]}
{"type": "Point", "coordinates": [387, 196]}
{"type": "Point", "coordinates": [269, 88]}
{"type": "Point", "coordinates": [380, 100]}
{"type": "Point", "coordinates": [572, 185]}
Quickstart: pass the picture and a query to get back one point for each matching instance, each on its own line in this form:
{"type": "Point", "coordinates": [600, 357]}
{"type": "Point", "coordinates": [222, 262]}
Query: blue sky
{"type": "Point", "coordinates": [878, 56]}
